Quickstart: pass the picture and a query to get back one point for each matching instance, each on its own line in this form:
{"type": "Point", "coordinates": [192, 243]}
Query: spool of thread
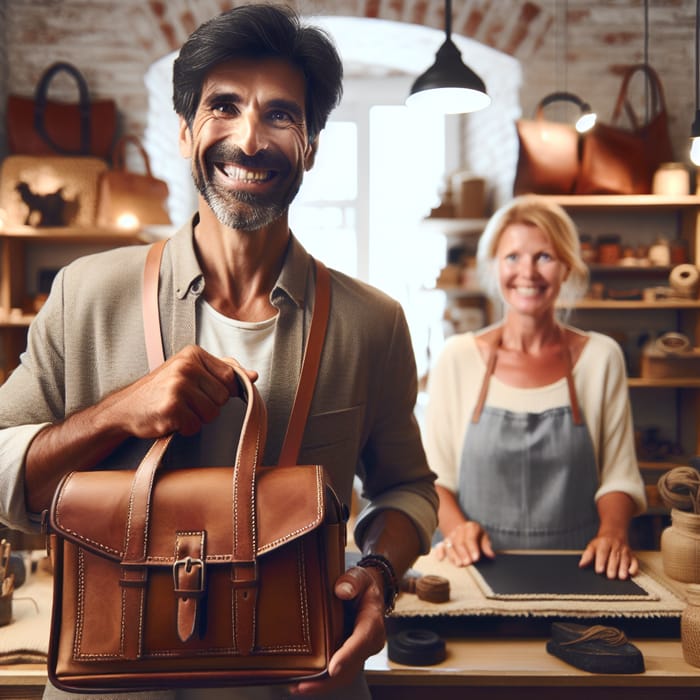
{"type": "Point", "coordinates": [685, 280]}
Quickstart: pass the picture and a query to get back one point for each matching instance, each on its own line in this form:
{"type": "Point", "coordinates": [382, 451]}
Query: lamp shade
{"type": "Point", "coordinates": [449, 85]}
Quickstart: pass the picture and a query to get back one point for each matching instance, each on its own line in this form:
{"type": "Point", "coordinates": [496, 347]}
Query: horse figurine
{"type": "Point", "coordinates": [46, 209]}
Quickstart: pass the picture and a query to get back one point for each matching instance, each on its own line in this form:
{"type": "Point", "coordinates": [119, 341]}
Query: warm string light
{"type": "Point", "coordinates": [127, 221]}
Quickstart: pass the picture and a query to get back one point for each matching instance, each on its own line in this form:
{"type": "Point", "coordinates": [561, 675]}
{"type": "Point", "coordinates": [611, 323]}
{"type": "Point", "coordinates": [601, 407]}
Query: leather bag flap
{"type": "Point", "coordinates": [92, 509]}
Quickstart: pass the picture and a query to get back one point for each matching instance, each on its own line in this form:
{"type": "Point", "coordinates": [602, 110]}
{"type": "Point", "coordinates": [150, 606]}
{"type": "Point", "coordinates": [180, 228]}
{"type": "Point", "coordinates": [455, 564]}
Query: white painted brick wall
{"type": "Point", "coordinates": [114, 43]}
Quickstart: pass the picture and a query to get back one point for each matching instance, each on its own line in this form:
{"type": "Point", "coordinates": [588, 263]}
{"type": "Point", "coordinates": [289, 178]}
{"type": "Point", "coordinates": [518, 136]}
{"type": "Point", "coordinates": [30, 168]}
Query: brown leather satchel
{"type": "Point", "coordinates": [123, 192]}
{"type": "Point", "coordinates": [616, 160]}
{"type": "Point", "coordinates": [38, 126]}
{"type": "Point", "coordinates": [548, 156]}
{"type": "Point", "coordinates": [204, 576]}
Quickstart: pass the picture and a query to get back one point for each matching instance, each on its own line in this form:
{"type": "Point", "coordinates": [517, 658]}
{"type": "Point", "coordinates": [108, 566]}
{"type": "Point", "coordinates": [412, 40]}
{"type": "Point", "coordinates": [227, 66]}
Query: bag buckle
{"type": "Point", "coordinates": [188, 577]}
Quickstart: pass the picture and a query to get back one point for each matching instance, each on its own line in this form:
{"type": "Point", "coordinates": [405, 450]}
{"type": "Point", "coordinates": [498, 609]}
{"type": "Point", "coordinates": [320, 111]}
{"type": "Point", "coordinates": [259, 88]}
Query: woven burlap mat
{"type": "Point", "coordinates": [26, 638]}
{"type": "Point", "coordinates": [468, 598]}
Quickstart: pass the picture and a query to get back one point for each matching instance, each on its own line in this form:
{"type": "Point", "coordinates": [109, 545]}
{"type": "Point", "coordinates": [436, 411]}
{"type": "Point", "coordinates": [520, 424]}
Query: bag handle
{"type": "Point", "coordinates": [244, 573]}
{"type": "Point", "coordinates": [119, 153]}
{"type": "Point", "coordinates": [41, 100]}
{"type": "Point", "coordinates": [658, 101]}
{"type": "Point", "coordinates": [310, 362]}
{"type": "Point", "coordinates": [250, 445]}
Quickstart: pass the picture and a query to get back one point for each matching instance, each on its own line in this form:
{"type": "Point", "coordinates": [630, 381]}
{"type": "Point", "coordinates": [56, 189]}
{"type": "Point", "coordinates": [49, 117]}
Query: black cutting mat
{"type": "Point", "coordinates": [549, 576]}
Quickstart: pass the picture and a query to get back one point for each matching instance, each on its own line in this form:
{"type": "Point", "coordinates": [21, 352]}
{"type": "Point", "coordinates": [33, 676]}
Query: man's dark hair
{"type": "Point", "coordinates": [260, 31]}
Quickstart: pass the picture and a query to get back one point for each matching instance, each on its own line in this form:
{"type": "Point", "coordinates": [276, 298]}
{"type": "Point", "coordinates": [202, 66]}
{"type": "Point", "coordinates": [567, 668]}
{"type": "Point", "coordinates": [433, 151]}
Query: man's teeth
{"type": "Point", "coordinates": [246, 175]}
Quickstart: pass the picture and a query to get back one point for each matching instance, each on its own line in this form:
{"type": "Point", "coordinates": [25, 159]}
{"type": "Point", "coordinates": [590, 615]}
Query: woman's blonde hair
{"type": "Point", "coordinates": [534, 210]}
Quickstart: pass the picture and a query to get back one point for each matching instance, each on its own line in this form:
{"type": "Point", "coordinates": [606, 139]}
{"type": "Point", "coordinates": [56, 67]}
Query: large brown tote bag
{"type": "Point", "coordinates": [206, 576]}
{"type": "Point", "coordinates": [616, 160]}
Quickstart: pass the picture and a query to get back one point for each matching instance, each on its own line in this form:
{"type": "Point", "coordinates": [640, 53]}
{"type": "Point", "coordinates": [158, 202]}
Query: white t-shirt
{"type": "Point", "coordinates": [250, 344]}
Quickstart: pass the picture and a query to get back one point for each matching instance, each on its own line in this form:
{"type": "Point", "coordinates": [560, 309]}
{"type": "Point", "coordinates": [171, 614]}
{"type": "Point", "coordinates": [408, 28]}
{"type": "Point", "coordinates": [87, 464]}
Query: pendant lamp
{"type": "Point", "coordinates": [449, 86]}
{"type": "Point", "coordinates": [695, 128]}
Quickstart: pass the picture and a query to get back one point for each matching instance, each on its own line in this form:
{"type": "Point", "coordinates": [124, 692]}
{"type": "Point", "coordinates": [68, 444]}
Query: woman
{"type": "Point", "coordinates": [528, 424]}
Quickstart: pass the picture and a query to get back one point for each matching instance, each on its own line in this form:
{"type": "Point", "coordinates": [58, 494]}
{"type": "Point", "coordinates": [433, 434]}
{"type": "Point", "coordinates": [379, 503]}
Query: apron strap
{"type": "Point", "coordinates": [575, 408]}
{"type": "Point", "coordinates": [491, 365]}
{"type": "Point", "coordinates": [493, 352]}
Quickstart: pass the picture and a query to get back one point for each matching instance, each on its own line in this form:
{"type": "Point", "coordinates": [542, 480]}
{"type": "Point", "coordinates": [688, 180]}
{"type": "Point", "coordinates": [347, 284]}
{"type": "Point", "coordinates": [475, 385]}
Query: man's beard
{"type": "Point", "coordinates": [244, 211]}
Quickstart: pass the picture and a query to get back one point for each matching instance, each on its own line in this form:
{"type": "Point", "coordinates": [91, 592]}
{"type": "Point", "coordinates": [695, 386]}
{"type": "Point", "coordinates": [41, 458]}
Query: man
{"type": "Point", "coordinates": [253, 89]}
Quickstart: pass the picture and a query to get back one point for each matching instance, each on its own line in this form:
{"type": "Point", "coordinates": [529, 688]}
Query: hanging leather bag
{"type": "Point", "coordinates": [123, 192]}
{"type": "Point", "coordinates": [548, 156]}
{"type": "Point", "coordinates": [616, 160]}
{"type": "Point", "coordinates": [206, 576]}
{"type": "Point", "coordinates": [40, 126]}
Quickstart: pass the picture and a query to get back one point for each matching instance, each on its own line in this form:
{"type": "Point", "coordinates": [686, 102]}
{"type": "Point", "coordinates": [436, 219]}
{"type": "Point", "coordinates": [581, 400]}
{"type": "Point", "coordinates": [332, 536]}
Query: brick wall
{"type": "Point", "coordinates": [582, 49]}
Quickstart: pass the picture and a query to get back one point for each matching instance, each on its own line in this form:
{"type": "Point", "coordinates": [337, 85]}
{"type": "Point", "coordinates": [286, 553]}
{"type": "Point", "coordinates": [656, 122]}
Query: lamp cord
{"type": "Point", "coordinates": [697, 55]}
{"type": "Point", "coordinates": [448, 18]}
{"type": "Point", "coordinates": [646, 61]}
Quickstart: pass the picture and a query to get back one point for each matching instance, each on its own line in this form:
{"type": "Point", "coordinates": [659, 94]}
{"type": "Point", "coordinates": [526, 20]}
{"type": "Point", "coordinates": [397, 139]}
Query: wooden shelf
{"type": "Point", "coordinates": [599, 270]}
{"type": "Point", "coordinates": [612, 304]}
{"type": "Point", "coordinates": [16, 319]}
{"type": "Point", "coordinates": [631, 201]}
{"type": "Point", "coordinates": [15, 312]}
{"type": "Point", "coordinates": [85, 234]}
{"type": "Point", "coordinates": [667, 383]}
{"type": "Point", "coordinates": [457, 291]}
{"type": "Point", "coordinates": [455, 227]}
{"type": "Point", "coordinates": [663, 466]}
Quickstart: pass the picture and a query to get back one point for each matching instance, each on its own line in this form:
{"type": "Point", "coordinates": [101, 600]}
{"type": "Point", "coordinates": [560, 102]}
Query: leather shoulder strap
{"type": "Point", "coordinates": [151, 313]}
{"type": "Point", "coordinates": [309, 368]}
{"type": "Point", "coordinates": [309, 365]}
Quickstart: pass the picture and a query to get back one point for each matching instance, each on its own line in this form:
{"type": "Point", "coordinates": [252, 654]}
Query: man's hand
{"type": "Point", "coordinates": [179, 396]}
{"type": "Point", "coordinates": [362, 589]}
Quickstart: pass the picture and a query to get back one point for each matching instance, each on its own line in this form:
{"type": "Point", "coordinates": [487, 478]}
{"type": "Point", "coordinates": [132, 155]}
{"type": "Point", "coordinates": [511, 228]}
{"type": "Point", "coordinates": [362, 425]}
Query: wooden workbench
{"type": "Point", "coordinates": [477, 667]}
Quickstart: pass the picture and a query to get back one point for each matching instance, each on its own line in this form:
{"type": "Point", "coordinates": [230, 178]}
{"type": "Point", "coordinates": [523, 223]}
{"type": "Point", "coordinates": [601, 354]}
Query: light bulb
{"type": "Point", "coordinates": [127, 221]}
{"type": "Point", "coordinates": [449, 100]}
{"type": "Point", "coordinates": [586, 122]}
{"type": "Point", "coordinates": [695, 150]}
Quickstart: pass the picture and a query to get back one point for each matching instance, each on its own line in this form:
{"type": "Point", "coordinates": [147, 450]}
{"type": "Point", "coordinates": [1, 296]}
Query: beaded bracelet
{"type": "Point", "coordinates": [391, 582]}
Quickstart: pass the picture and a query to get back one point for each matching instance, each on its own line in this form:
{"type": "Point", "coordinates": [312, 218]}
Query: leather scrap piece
{"type": "Point", "coordinates": [596, 649]}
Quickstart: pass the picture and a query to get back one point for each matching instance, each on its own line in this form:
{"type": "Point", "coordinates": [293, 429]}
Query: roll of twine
{"type": "Point", "coordinates": [685, 280]}
{"type": "Point", "coordinates": [680, 488]}
{"type": "Point", "coordinates": [673, 342]}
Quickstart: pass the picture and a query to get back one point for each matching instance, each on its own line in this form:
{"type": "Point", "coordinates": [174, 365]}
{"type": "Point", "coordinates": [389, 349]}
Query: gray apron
{"type": "Point", "coordinates": [530, 478]}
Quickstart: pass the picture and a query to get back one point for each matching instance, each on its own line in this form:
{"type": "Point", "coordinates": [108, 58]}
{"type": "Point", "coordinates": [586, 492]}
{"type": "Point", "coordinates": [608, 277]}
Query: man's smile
{"type": "Point", "coordinates": [236, 172]}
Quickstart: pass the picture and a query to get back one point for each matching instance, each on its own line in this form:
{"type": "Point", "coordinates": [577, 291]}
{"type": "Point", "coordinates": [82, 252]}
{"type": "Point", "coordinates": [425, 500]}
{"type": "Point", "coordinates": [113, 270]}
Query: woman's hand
{"type": "Point", "coordinates": [611, 555]}
{"type": "Point", "coordinates": [465, 544]}
{"type": "Point", "coordinates": [609, 551]}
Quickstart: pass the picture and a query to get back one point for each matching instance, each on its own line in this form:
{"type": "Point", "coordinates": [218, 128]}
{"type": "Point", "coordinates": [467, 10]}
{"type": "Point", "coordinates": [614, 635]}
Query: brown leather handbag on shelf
{"type": "Point", "coordinates": [548, 155]}
{"type": "Point", "coordinates": [39, 126]}
{"type": "Point", "coordinates": [123, 192]}
{"type": "Point", "coordinates": [616, 160]}
{"type": "Point", "coordinates": [206, 576]}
